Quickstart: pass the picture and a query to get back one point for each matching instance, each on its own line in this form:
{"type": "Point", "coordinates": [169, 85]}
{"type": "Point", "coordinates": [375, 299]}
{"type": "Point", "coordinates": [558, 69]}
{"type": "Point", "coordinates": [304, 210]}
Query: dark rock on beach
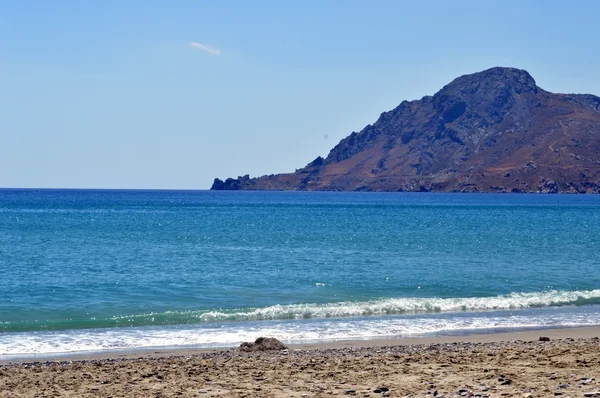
{"type": "Point", "coordinates": [492, 131]}
{"type": "Point", "coordinates": [263, 344]}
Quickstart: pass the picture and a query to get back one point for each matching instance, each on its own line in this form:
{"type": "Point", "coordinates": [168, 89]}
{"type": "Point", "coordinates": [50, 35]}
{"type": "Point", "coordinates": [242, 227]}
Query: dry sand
{"type": "Point", "coordinates": [496, 365]}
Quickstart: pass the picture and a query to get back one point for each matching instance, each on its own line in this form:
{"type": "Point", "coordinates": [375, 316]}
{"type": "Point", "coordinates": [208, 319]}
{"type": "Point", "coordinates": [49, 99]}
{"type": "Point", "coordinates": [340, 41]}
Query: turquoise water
{"type": "Point", "coordinates": [90, 270]}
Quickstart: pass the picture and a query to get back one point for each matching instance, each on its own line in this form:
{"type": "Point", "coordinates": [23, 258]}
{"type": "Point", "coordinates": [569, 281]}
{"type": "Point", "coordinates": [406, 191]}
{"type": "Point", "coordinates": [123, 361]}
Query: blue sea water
{"type": "Point", "coordinates": [94, 270]}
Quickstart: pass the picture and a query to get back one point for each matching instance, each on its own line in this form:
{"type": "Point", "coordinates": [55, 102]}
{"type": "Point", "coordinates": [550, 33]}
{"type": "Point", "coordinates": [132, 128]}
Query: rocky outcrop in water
{"type": "Point", "coordinates": [492, 131]}
{"type": "Point", "coordinates": [231, 184]}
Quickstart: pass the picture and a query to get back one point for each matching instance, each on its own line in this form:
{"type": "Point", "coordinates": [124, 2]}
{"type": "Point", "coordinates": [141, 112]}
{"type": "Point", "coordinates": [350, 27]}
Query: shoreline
{"type": "Point", "coordinates": [576, 332]}
{"type": "Point", "coordinates": [485, 366]}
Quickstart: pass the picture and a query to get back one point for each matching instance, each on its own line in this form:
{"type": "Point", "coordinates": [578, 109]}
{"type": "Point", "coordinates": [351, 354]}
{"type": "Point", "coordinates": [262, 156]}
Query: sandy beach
{"type": "Point", "coordinates": [489, 365]}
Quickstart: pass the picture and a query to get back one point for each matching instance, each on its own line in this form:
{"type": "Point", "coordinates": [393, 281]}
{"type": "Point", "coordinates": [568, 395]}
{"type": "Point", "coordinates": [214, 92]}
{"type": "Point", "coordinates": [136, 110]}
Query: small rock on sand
{"type": "Point", "coordinates": [381, 389]}
{"type": "Point", "coordinates": [263, 344]}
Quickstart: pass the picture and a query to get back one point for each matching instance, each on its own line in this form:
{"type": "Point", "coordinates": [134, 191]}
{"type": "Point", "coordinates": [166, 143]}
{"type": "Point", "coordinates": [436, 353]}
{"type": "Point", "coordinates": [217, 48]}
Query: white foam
{"type": "Point", "coordinates": [314, 330]}
{"type": "Point", "coordinates": [405, 305]}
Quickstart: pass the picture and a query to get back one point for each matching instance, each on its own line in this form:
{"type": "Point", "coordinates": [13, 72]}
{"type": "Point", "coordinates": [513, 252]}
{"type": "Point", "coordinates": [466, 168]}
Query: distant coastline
{"type": "Point", "coordinates": [492, 131]}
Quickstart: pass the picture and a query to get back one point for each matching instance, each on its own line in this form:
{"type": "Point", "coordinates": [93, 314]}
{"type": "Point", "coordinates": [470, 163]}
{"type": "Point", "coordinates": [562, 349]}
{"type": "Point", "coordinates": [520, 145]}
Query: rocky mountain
{"type": "Point", "coordinates": [492, 131]}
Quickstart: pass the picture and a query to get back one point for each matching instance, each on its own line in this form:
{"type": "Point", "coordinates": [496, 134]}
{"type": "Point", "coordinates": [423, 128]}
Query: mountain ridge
{"type": "Point", "coordinates": [490, 131]}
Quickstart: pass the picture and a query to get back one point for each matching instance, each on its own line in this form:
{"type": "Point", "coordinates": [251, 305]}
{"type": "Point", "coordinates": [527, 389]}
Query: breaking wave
{"type": "Point", "coordinates": [408, 305]}
{"type": "Point", "coordinates": [381, 307]}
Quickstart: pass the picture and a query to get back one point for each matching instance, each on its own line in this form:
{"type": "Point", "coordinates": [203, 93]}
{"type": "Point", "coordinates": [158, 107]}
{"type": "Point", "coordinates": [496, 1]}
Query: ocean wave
{"type": "Point", "coordinates": [407, 305]}
{"type": "Point", "coordinates": [345, 309]}
{"type": "Point", "coordinates": [35, 344]}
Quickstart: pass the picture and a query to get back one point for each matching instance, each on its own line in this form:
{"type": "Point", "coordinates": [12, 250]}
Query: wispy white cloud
{"type": "Point", "coordinates": [203, 47]}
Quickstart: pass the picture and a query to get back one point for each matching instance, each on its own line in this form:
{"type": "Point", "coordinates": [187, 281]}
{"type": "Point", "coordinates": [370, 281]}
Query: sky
{"type": "Point", "coordinates": [171, 94]}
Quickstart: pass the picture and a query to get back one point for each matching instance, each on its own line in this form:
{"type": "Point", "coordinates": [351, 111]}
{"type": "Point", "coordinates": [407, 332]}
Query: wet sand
{"type": "Point", "coordinates": [490, 365]}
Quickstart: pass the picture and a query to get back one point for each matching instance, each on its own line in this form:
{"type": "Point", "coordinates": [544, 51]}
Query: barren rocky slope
{"type": "Point", "coordinates": [492, 131]}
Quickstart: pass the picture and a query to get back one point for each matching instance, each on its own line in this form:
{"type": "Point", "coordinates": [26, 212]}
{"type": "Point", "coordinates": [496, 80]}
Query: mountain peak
{"type": "Point", "coordinates": [484, 98]}
{"type": "Point", "coordinates": [518, 79]}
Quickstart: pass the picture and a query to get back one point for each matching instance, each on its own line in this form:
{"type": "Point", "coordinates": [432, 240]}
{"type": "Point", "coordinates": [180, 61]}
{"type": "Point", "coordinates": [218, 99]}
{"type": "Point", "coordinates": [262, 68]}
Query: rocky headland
{"type": "Point", "coordinates": [492, 131]}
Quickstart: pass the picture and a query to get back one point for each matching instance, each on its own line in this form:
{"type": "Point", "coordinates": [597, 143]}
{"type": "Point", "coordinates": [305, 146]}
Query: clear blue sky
{"type": "Point", "coordinates": [170, 94]}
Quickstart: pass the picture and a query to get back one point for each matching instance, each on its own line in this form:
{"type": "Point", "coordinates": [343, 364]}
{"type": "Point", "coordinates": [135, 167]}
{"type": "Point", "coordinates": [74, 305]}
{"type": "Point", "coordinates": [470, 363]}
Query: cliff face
{"type": "Point", "coordinates": [492, 131]}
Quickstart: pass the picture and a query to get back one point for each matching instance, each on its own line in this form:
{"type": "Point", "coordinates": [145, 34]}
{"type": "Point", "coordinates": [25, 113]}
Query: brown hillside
{"type": "Point", "coordinates": [492, 131]}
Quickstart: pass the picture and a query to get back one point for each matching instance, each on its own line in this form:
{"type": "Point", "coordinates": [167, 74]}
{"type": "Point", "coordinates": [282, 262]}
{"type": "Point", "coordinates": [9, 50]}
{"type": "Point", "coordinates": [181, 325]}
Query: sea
{"type": "Point", "coordinates": [94, 271]}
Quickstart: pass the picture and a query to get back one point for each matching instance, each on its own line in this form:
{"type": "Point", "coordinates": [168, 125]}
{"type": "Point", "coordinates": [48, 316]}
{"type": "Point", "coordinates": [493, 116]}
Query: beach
{"type": "Point", "coordinates": [149, 294]}
{"type": "Point", "coordinates": [563, 363]}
